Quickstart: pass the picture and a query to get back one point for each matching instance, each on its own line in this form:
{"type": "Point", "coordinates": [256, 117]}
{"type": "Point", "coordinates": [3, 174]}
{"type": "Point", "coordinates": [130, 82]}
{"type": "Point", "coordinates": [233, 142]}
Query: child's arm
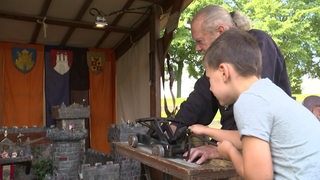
{"type": "Point", "coordinates": [254, 162]}
{"type": "Point", "coordinates": [217, 134]}
{"type": "Point", "coordinates": [257, 158]}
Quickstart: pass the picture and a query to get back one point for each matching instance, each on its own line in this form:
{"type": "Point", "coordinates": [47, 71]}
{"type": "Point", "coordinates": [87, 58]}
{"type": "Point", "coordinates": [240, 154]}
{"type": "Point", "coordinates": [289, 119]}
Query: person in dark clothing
{"type": "Point", "coordinates": [274, 68]}
{"type": "Point", "coordinates": [201, 106]}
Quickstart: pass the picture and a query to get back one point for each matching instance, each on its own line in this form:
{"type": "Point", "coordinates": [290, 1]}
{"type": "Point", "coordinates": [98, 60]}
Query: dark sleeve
{"type": "Point", "coordinates": [227, 119]}
{"type": "Point", "coordinates": [200, 107]}
{"type": "Point", "coordinates": [273, 62]}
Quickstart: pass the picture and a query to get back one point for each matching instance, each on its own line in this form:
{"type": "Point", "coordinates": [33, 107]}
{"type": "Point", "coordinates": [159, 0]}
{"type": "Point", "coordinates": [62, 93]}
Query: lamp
{"type": "Point", "coordinates": [101, 21]}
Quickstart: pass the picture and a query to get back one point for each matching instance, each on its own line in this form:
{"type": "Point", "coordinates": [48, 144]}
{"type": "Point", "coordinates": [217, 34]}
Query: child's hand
{"type": "Point", "coordinates": [197, 129]}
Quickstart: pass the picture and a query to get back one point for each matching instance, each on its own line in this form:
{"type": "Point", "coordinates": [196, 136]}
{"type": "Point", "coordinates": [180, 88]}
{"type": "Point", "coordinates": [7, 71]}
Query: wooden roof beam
{"type": "Point", "coordinates": [80, 14]}
{"type": "Point", "coordinates": [134, 36]}
{"type": "Point", "coordinates": [62, 22]}
{"type": "Point", "coordinates": [43, 13]}
{"type": "Point", "coordinates": [115, 22]}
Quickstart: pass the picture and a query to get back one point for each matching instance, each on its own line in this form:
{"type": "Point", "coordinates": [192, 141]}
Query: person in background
{"type": "Point", "coordinates": [201, 106]}
{"type": "Point", "coordinates": [312, 103]}
{"type": "Point", "coordinates": [279, 136]}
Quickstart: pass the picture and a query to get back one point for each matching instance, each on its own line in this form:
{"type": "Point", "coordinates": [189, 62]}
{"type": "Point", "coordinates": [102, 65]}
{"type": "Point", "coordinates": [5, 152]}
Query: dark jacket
{"type": "Point", "coordinates": [201, 106]}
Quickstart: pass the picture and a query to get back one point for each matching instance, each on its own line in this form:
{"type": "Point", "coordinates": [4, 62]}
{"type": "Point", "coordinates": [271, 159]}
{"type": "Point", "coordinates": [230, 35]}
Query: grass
{"type": "Point", "coordinates": [215, 123]}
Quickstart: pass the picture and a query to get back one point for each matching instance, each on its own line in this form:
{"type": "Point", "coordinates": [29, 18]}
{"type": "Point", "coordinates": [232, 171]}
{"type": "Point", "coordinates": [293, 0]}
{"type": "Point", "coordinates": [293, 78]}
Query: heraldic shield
{"type": "Point", "coordinates": [24, 59]}
{"type": "Point", "coordinates": [96, 61]}
{"type": "Point", "coordinates": [61, 60]}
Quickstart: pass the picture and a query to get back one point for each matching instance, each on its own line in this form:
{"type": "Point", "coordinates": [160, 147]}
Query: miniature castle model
{"type": "Point", "coordinates": [69, 139]}
{"type": "Point", "coordinates": [14, 151]}
{"type": "Point", "coordinates": [74, 111]}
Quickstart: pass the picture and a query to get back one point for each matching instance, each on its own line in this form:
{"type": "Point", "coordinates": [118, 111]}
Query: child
{"type": "Point", "coordinates": [280, 138]}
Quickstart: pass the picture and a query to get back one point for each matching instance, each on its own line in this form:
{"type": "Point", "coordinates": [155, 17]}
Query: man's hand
{"type": "Point", "coordinates": [202, 153]}
{"type": "Point", "coordinates": [173, 127]}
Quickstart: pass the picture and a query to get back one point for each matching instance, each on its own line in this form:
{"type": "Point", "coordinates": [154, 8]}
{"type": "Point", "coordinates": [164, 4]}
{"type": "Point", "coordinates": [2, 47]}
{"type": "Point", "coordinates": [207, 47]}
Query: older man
{"type": "Point", "coordinates": [201, 105]}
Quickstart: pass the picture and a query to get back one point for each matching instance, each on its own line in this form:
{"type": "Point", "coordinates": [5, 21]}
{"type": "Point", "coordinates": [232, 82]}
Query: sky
{"type": "Point", "coordinates": [310, 86]}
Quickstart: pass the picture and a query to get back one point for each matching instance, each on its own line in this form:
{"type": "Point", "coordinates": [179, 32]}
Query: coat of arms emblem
{"type": "Point", "coordinates": [61, 60]}
{"type": "Point", "coordinates": [96, 61]}
{"type": "Point", "coordinates": [24, 59]}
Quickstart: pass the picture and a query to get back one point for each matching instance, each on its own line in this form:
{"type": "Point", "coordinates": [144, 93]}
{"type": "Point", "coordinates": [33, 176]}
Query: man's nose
{"type": "Point", "coordinates": [198, 48]}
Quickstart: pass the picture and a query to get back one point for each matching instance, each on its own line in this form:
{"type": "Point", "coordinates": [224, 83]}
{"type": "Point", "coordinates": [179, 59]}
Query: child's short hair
{"type": "Point", "coordinates": [311, 102]}
{"type": "Point", "coordinates": [238, 48]}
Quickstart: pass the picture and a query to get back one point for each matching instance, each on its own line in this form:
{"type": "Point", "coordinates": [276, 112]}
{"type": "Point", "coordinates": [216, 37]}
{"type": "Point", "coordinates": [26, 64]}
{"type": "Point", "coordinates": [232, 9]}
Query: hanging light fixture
{"type": "Point", "coordinates": [101, 20]}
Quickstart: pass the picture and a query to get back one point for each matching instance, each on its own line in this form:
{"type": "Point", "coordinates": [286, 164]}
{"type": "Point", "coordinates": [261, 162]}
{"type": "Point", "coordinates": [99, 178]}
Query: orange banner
{"type": "Point", "coordinates": [22, 84]}
{"type": "Point", "coordinates": [102, 102]}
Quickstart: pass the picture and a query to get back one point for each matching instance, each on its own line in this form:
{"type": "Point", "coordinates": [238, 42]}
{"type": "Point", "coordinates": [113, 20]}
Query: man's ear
{"type": "Point", "coordinates": [221, 29]}
{"type": "Point", "coordinates": [224, 71]}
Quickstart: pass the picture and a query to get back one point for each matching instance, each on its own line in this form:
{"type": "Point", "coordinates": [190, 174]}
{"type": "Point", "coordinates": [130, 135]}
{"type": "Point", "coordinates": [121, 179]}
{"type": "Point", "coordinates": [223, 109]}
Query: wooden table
{"type": "Point", "coordinates": [215, 169]}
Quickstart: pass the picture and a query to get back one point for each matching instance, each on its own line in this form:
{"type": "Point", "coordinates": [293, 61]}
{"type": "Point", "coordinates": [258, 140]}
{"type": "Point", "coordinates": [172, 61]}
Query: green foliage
{"type": "Point", "coordinates": [291, 25]}
{"type": "Point", "coordinates": [42, 161]}
{"type": "Point", "coordinates": [42, 167]}
{"type": "Point", "coordinates": [294, 26]}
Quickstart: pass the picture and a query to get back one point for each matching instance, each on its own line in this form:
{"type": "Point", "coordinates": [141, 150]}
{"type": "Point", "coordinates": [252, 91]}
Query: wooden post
{"type": "Point", "coordinates": [155, 95]}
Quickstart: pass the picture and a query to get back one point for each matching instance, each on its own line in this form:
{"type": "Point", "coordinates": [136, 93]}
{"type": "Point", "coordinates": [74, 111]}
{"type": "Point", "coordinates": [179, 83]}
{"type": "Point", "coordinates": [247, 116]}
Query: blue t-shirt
{"type": "Point", "coordinates": [293, 132]}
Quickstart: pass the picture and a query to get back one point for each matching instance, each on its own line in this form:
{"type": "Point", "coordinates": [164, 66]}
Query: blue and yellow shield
{"type": "Point", "coordinates": [24, 59]}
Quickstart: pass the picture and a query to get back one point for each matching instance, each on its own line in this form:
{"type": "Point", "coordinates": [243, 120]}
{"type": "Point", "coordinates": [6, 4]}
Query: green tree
{"type": "Point", "coordinates": [294, 25]}
{"type": "Point", "coordinates": [182, 47]}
